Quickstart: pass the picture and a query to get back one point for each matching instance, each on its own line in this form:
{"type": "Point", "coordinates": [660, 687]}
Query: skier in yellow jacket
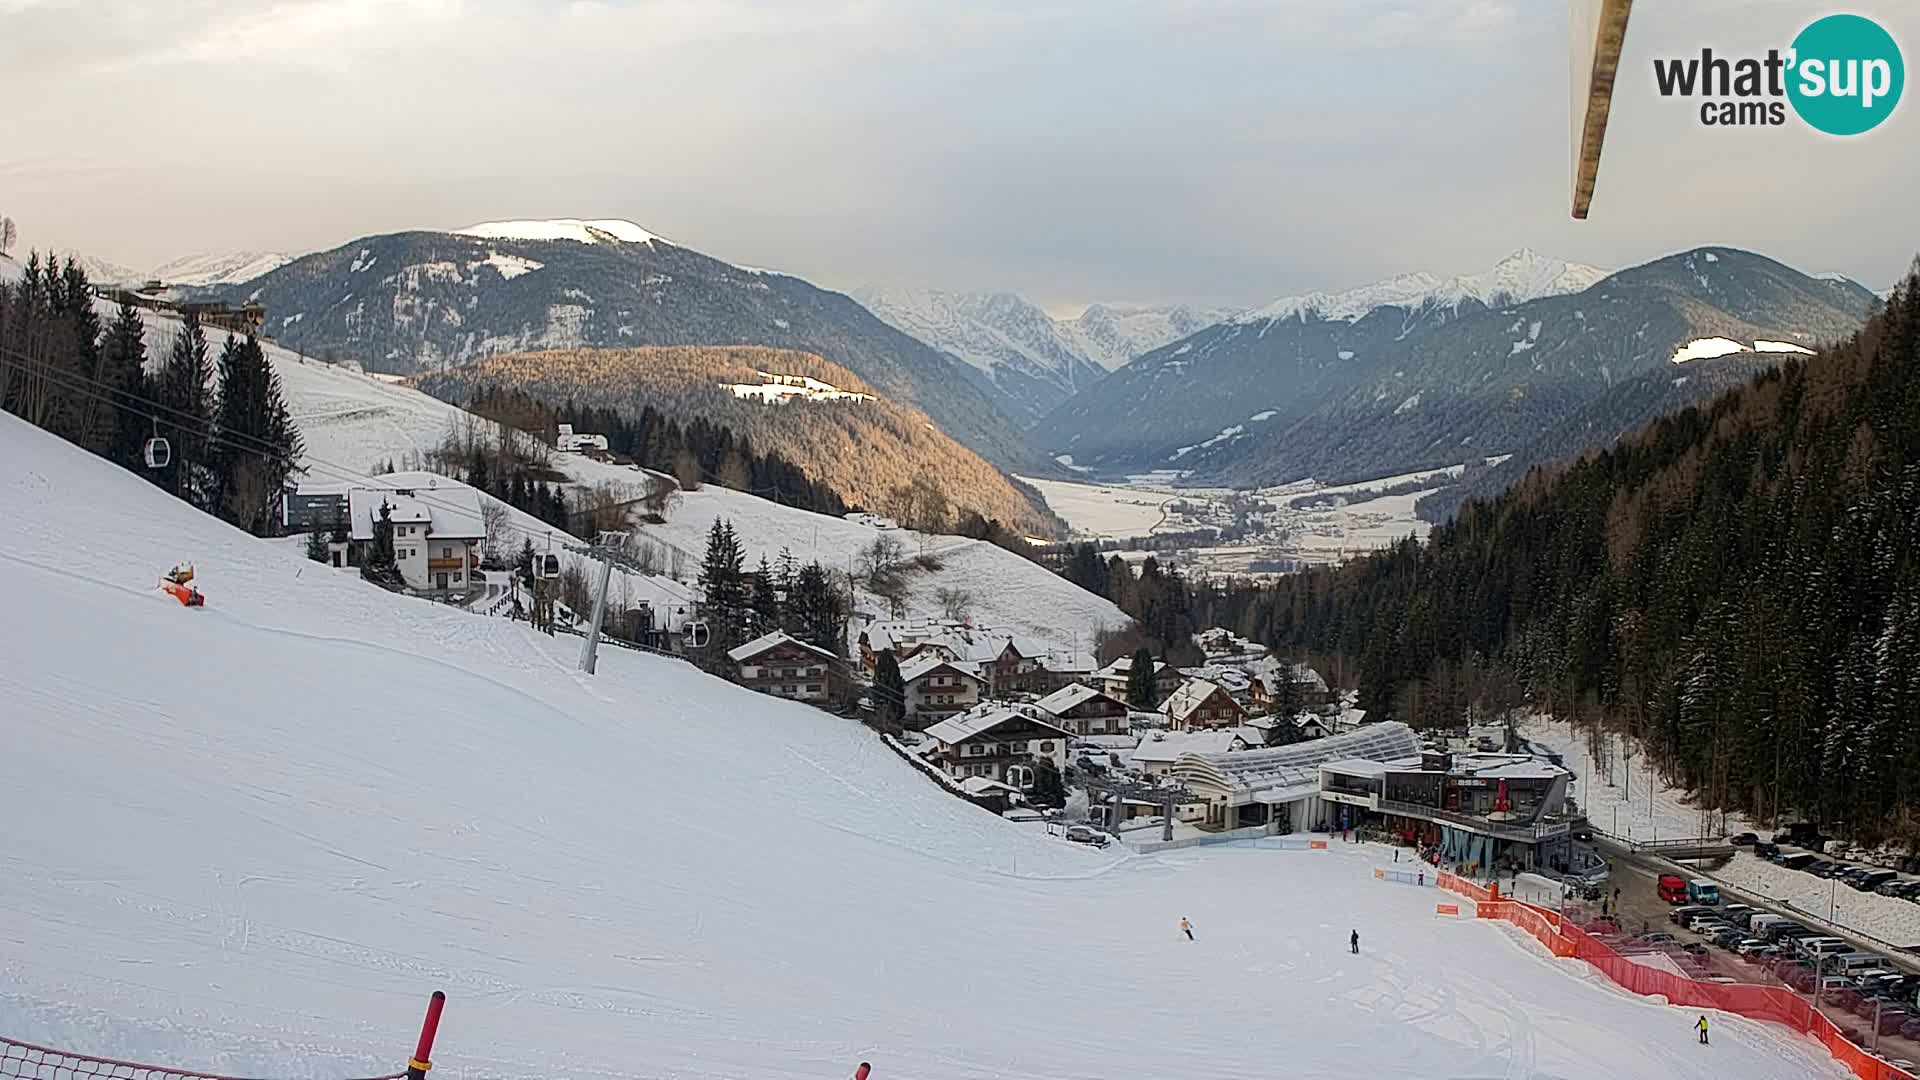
{"type": "Point", "coordinates": [1702, 1025]}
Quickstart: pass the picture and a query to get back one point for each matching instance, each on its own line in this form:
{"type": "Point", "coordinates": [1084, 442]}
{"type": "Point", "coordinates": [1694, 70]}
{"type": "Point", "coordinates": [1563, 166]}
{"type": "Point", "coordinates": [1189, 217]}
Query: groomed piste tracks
{"type": "Point", "coordinates": [1775, 1004]}
{"type": "Point", "coordinates": [30, 1062]}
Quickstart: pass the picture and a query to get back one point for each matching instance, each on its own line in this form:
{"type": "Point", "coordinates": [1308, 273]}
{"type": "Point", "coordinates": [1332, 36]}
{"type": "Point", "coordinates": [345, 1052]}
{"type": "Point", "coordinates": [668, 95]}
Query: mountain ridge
{"type": "Point", "coordinates": [1402, 388]}
{"type": "Point", "coordinates": [422, 300]}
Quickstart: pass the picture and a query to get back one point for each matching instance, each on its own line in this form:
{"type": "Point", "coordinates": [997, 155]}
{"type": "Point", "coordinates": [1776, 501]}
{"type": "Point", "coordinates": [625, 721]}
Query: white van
{"type": "Point", "coordinates": [1757, 925]}
{"type": "Point", "coordinates": [1854, 963]}
{"type": "Point", "coordinates": [1819, 948]}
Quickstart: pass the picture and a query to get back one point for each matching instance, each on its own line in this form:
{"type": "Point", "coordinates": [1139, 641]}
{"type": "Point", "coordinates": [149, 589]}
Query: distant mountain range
{"type": "Point", "coordinates": [1035, 361]}
{"type": "Point", "coordinates": [1421, 372]}
{"type": "Point", "coordinates": [229, 268]}
{"type": "Point", "coordinates": [415, 302]}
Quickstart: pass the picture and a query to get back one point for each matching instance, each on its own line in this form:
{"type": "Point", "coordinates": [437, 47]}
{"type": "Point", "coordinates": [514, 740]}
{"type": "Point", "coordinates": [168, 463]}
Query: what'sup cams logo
{"type": "Point", "coordinates": [1842, 75]}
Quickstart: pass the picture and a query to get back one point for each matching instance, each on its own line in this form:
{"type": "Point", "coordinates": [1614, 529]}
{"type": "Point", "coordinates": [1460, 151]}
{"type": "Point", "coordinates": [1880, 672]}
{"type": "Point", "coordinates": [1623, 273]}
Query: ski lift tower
{"type": "Point", "coordinates": [609, 548]}
{"type": "Point", "coordinates": [1123, 789]}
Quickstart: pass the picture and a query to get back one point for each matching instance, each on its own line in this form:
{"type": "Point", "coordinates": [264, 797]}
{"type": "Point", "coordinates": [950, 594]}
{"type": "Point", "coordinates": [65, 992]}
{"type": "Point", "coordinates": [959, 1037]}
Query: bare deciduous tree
{"type": "Point", "coordinates": [956, 604]}
{"type": "Point", "coordinates": [8, 235]}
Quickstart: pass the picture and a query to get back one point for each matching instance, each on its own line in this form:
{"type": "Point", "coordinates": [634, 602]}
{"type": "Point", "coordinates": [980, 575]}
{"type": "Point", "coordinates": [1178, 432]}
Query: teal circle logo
{"type": "Point", "coordinates": [1847, 74]}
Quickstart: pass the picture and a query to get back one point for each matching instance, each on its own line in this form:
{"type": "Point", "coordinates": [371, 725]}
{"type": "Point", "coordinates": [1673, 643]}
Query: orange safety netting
{"type": "Point", "coordinates": [1772, 1003]}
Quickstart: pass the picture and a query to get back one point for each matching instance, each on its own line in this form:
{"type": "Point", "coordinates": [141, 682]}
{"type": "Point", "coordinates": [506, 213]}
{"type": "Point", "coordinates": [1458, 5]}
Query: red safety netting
{"type": "Point", "coordinates": [30, 1062]}
{"type": "Point", "coordinates": [1776, 1004]}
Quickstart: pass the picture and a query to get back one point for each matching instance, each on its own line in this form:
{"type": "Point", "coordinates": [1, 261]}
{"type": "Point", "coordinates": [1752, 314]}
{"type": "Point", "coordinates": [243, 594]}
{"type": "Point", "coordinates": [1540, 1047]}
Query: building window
{"type": "Point", "coordinates": [976, 749]}
{"type": "Point", "coordinates": [813, 688]}
{"type": "Point", "coordinates": [446, 553]}
{"type": "Point", "coordinates": [1020, 748]}
{"type": "Point", "coordinates": [1046, 748]}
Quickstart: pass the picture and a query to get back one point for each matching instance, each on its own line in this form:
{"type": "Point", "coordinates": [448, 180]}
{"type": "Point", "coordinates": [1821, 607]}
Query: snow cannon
{"type": "Point", "coordinates": [186, 594]}
{"type": "Point", "coordinates": [181, 574]}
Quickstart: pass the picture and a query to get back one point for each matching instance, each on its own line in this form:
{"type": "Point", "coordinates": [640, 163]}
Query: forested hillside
{"type": "Point", "coordinates": [877, 454]}
{"type": "Point", "coordinates": [1738, 585]}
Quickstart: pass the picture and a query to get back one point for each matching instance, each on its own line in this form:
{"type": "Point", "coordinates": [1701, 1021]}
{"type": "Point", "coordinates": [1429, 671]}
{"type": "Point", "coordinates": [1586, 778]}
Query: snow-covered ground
{"type": "Point", "coordinates": [1103, 510]}
{"type": "Point", "coordinates": [251, 837]}
{"type": "Point", "coordinates": [353, 422]}
{"type": "Point", "coordinates": [1894, 921]}
{"type": "Point", "coordinates": [1008, 592]}
{"type": "Point", "coordinates": [1653, 812]}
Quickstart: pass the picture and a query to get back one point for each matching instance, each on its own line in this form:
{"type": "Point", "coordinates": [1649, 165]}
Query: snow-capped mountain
{"type": "Point", "coordinates": [1035, 360]}
{"type": "Point", "coordinates": [1031, 361]}
{"type": "Point", "coordinates": [429, 299]}
{"type": "Point", "coordinates": [1522, 276]}
{"type": "Point", "coordinates": [1403, 375]}
{"type": "Point", "coordinates": [1111, 334]}
{"type": "Point", "coordinates": [220, 268]}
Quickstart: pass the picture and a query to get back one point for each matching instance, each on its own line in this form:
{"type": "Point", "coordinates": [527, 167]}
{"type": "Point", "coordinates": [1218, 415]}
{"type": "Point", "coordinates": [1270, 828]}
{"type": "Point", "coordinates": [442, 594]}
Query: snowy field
{"type": "Point", "coordinates": [1008, 592]}
{"type": "Point", "coordinates": [1892, 920]}
{"type": "Point", "coordinates": [260, 832]}
{"type": "Point", "coordinates": [1654, 812]}
{"type": "Point", "coordinates": [1103, 510]}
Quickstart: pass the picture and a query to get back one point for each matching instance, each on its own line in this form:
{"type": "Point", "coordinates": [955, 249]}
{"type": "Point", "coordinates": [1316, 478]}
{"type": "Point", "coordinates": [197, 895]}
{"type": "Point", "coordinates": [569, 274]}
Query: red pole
{"type": "Point", "coordinates": [422, 1059]}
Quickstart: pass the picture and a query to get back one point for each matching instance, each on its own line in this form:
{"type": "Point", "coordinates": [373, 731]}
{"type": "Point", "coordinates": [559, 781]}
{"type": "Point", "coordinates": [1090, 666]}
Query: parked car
{"type": "Point", "coordinates": [1910, 1029]}
{"type": "Point", "coordinates": [1087, 834]}
{"type": "Point", "coordinates": [1679, 916]}
{"type": "Point", "coordinates": [1703, 891]}
{"type": "Point", "coordinates": [1730, 938]}
{"type": "Point", "coordinates": [1750, 947]}
{"type": "Point", "coordinates": [1825, 868]}
{"type": "Point", "coordinates": [1891, 888]}
{"type": "Point", "coordinates": [1795, 860]}
{"type": "Point", "coordinates": [1739, 914]}
{"type": "Point", "coordinates": [1744, 839]}
{"type": "Point", "coordinates": [1902, 1063]}
{"type": "Point", "coordinates": [1767, 851]}
{"type": "Point", "coordinates": [1873, 879]}
{"type": "Point", "coordinates": [1659, 939]}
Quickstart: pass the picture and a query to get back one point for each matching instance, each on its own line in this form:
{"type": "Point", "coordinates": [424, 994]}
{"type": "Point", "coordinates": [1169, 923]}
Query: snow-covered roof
{"type": "Point", "coordinates": [1071, 696]}
{"type": "Point", "coordinates": [764, 642]}
{"type": "Point", "coordinates": [1123, 667]}
{"type": "Point", "coordinates": [980, 785]}
{"type": "Point", "coordinates": [1166, 747]}
{"type": "Point", "coordinates": [925, 663]}
{"type": "Point", "coordinates": [1251, 735]}
{"type": "Point", "coordinates": [1187, 700]}
{"type": "Point", "coordinates": [983, 718]}
{"type": "Point", "coordinates": [1249, 772]}
{"type": "Point", "coordinates": [1507, 767]}
{"type": "Point", "coordinates": [448, 508]}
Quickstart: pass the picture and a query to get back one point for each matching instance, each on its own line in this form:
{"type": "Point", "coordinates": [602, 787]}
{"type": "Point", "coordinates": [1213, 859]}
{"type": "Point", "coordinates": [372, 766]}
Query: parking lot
{"type": "Point", "coordinates": [1645, 926]}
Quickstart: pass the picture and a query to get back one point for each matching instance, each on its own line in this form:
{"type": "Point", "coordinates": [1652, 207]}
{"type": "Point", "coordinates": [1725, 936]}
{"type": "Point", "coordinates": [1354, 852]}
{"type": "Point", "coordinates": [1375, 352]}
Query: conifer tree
{"type": "Point", "coordinates": [817, 610]}
{"type": "Point", "coordinates": [761, 600]}
{"type": "Point", "coordinates": [723, 588]}
{"type": "Point", "coordinates": [317, 546]}
{"type": "Point", "coordinates": [184, 387]}
{"type": "Point", "coordinates": [1140, 686]}
{"type": "Point", "coordinates": [258, 443]}
{"type": "Point", "coordinates": [889, 690]}
{"type": "Point", "coordinates": [124, 360]}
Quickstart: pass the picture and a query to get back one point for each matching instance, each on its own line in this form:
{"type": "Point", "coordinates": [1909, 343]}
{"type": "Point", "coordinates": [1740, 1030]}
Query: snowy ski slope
{"type": "Point", "coordinates": [252, 837]}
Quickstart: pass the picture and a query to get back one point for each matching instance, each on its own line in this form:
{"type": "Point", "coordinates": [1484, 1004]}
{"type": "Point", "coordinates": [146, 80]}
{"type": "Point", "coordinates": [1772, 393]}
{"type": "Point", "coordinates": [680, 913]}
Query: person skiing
{"type": "Point", "coordinates": [1702, 1025]}
{"type": "Point", "coordinates": [1186, 927]}
{"type": "Point", "coordinates": [1354, 941]}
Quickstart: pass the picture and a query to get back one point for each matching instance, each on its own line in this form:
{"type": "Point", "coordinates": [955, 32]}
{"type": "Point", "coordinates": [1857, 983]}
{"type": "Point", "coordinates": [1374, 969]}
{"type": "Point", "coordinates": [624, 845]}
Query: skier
{"type": "Point", "coordinates": [1703, 1030]}
{"type": "Point", "coordinates": [1186, 927]}
{"type": "Point", "coordinates": [1354, 941]}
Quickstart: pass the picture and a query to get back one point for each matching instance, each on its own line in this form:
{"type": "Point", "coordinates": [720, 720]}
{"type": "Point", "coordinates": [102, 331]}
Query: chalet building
{"type": "Point", "coordinates": [1281, 787]}
{"type": "Point", "coordinates": [1009, 671]}
{"type": "Point", "coordinates": [1112, 679]}
{"type": "Point", "coordinates": [1201, 705]}
{"type": "Point", "coordinates": [1309, 688]}
{"type": "Point", "coordinates": [1081, 709]}
{"type": "Point", "coordinates": [999, 742]}
{"type": "Point", "coordinates": [437, 526]}
{"type": "Point", "coordinates": [938, 687]}
{"type": "Point", "coordinates": [786, 667]}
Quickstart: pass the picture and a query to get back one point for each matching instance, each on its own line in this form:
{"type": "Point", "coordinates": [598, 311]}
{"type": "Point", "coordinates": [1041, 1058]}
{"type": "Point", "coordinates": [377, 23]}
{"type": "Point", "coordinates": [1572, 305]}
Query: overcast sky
{"type": "Point", "coordinates": [1224, 151]}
